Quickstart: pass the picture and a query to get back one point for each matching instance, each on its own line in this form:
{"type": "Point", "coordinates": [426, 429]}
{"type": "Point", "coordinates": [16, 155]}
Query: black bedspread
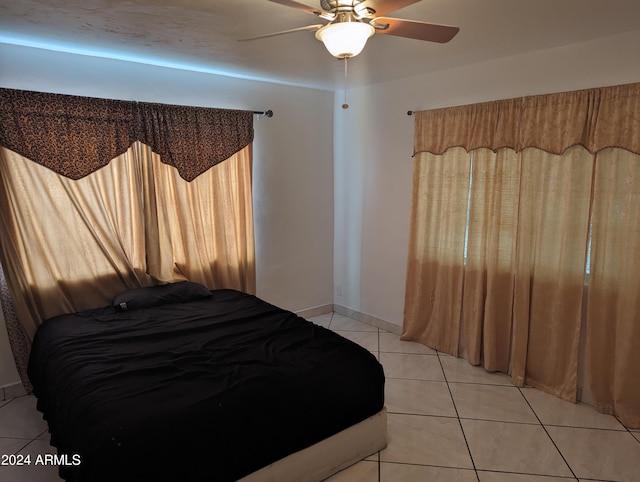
{"type": "Point", "coordinates": [210, 390]}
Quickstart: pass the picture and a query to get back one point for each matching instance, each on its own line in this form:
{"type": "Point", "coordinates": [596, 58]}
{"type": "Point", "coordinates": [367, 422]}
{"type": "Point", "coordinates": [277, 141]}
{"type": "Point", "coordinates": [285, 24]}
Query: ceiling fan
{"type": "Point", "coordinates": [352, 22]}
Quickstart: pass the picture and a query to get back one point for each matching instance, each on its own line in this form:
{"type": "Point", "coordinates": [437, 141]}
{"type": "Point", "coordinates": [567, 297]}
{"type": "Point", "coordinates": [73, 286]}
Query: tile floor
{"type": "Point", "coordinates": [447, 421]}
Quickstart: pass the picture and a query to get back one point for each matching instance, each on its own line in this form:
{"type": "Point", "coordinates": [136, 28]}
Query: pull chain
{"type": "Point", "coordinates": [345, 105]}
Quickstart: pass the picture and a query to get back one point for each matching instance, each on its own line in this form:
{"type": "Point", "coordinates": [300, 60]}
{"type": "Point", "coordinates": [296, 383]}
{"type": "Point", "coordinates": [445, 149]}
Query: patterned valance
{"type": "Point", "coordinates": [594, 118]}
{"type": "Point", "coordinates": [74, 136]}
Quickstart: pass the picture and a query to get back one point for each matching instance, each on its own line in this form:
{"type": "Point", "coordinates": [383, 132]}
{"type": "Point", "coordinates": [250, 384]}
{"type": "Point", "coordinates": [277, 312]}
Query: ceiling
{"type": "Point", "coordinates": [203, 34]}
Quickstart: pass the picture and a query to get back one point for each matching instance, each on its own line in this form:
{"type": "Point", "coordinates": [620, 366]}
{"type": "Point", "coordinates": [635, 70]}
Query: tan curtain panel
{"type": "Point", "coordinates": [593, 118]}
{"type": "Point", "coordinates": [613, 312]}
{"type": "Point", "coordinates": [491, 254]}
{"type": "Point", "coordinates": [215, 243]}
{"type": "Point", "coordinates": [436, 250]}
{"type": "Point", "coordinates": [551, 248]}
{"type": "Point", "coordinates": [53, 129]}
{"type": "Point", "coordinates": [70, 245]}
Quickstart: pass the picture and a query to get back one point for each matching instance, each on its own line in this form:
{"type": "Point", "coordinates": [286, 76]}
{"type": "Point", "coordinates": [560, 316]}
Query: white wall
{"type": "Point", "coordinates": [293, 166]}
{"type": "Point", "coordinates": [374, 142]}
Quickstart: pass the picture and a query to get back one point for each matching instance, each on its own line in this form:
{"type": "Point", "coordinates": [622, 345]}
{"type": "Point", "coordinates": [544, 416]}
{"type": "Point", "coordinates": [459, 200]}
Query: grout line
{"type": "Point", "coordinates": [536, 475]}
{"type": "Point", "coordinates": [23, 447]}
{"type": "Point", "coordinates": [549, 435]}
{"type": "Point", "coordinates": [410, 464]}
{"type": "Point", "coordinates": [444, 374]}
{"type": "Point", "coordinates": [585, 428]}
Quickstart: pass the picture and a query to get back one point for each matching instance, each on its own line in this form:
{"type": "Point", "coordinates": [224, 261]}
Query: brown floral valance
{"type": "Point", "coordinates": [75, 136]}
{"type": "Point", "coordinates": [594, 118]}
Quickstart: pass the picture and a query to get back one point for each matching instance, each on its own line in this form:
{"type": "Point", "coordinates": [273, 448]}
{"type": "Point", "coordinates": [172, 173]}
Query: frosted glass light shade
{"type": "Point", "coordinates": [345, 39]}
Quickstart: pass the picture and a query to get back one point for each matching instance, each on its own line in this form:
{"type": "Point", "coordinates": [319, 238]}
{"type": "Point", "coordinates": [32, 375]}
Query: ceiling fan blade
{"type": "Point", "coordinates": [382, 7]}
{"type": "Point", "coordinates": [305, 8]}
{"type": "Point", "coordinates": [413, 29]}
{"type": "Point", "coordinates": [283, 32]}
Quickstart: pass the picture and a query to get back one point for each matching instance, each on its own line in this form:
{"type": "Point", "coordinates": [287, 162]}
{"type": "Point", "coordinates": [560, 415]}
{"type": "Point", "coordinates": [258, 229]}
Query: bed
{"type": "Point", "coordinates": [179, 383]}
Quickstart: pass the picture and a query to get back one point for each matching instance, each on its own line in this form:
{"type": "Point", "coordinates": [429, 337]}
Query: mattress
{"type": "Point", "coordinates": [214, 388]}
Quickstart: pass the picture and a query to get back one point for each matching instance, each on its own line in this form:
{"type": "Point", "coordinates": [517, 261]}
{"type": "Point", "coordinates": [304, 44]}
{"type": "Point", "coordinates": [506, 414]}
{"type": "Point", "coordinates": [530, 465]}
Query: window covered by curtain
{"type": "Point", "coordinates": [542, 175]}
{"type": "Point", "coordinates": [100, 196]}
{"type": "Point", "coordinates": [440, 193]}
{"type": "Point", "coordinates": [613, 312]}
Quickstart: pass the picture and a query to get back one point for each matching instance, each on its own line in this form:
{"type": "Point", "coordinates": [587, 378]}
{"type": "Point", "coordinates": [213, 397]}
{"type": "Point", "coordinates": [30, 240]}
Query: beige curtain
{"type": "Point", "coordinates": [69, 245]}
{"type": "Point", "coordinates": [215, 243]}
{"type": "Point", "coordinates": [551, 245]}
{"type": "Point", "coordinates": [514, 304]}
{"type": "Point", "coordinates": [436, 250]}
{"type": "Point", "coordinates": [488, 278]}
{"type": "Point", "coordinates": [613, 313]}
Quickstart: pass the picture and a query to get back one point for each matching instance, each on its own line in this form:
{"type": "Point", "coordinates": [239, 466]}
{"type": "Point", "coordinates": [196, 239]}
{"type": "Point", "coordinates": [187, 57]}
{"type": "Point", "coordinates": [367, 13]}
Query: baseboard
{"type": "Point", "coordinates": [315, 311]}
{"type": "Point", "coordinates": [584, 395]}
{"type": "Point", "coordinates": [13, 390]}
{"type": "Point", "coordinates": [368, 319]}
{"type": "Point", "coordinates": [356, 315]}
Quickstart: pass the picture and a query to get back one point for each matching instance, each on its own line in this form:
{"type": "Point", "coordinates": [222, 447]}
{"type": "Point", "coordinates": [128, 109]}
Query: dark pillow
{"type": "Point", "coordinates": [148, 297]}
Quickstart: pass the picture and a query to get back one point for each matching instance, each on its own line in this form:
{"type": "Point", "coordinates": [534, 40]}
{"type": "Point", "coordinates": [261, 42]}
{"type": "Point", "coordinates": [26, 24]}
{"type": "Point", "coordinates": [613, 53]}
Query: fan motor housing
{"type": "Point", "coordinates": [335, 6]}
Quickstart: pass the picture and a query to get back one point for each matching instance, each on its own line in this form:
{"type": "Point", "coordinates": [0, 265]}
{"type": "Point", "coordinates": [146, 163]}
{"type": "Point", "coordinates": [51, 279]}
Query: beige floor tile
{"type": "Point", "coordinates": [34, 472]}
{"type": "Point", "coordinates": [513, 447]}
{"type": "Point", "coordinates": [419, 440]}
{"type": "Point", "coordinates": [14, 391]}
{"type": "Point", "coordinates": [9, 446]}
{"type": "Point", "coordinates": [599, 454]}
{"type": "Point", "coordinates": [390, 342]}
{"type": "Point", "coordinates": [418, 397]}
{"type": "Point", "coordinates": [511, 477]}
{"type": "Point", "coordinates": [415, 367]}
{"type": "Point", "coordinates": [460, 370]}
{"type": "Point", "coordinates": [415, 473]}
{"type": "Point", "coordinates": [20, 419]}
{"type": "Point", "coordinates": [555, 411]}
{"type": "Point", "coordinates": [491, 402]}
{"type": "Point", "coordinates": [344, 323]}
{"type": "Point", "coordinates": [322, 320]}
{"type": "Point", "coordinates": [361, 472]}
{"type": "Point", "coordinates": [366, 339]}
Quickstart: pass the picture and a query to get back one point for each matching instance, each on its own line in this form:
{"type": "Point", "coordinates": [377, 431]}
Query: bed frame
{"type": "Point", "coordinates": [329, 456]}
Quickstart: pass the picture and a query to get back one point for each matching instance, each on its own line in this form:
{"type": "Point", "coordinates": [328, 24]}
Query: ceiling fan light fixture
{"type": "Point", "coordinates": [345, 39]}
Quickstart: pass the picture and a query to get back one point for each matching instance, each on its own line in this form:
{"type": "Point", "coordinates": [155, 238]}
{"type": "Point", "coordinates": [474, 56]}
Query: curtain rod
{"type": "Point", "coordinates": [267, 113]}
